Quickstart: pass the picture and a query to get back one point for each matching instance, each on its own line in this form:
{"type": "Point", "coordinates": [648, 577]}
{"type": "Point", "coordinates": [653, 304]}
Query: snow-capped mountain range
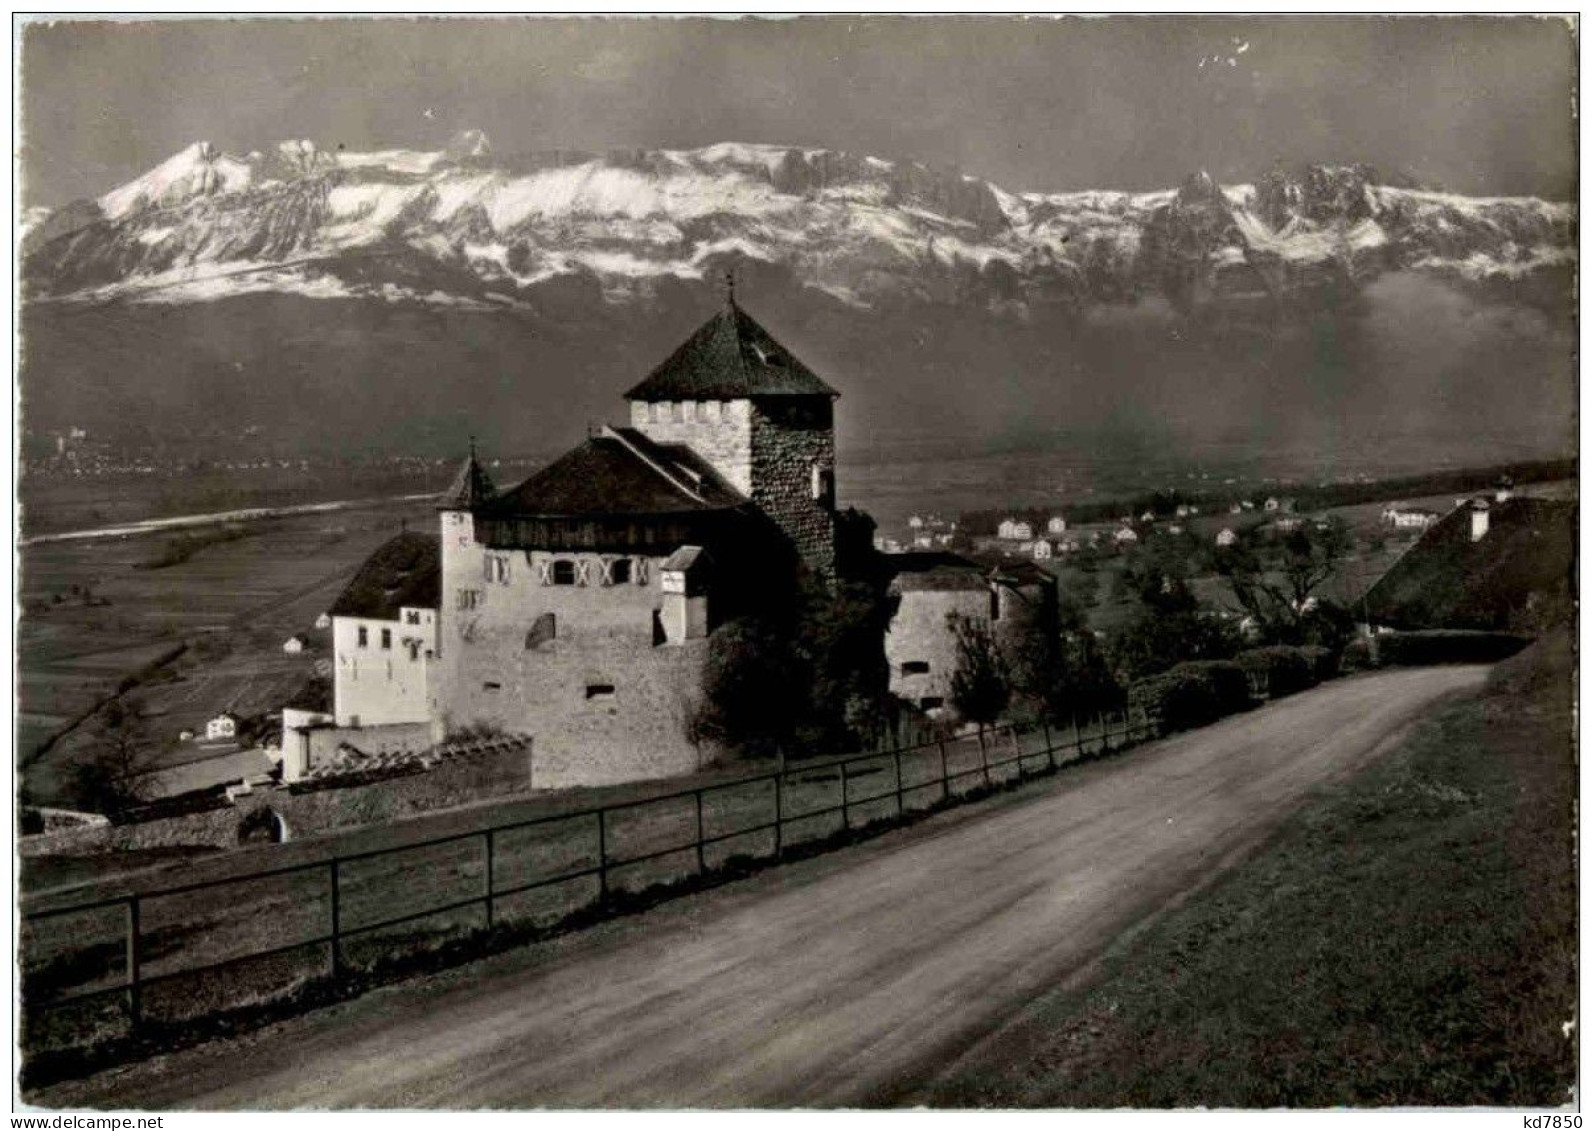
{"type": "Point", "coordinates": [461, 227]}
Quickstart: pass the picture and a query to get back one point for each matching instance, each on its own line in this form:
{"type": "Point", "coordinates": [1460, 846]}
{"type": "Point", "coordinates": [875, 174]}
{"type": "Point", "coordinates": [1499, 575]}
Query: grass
{"type": "Point", "coordinates": [1410, 939]}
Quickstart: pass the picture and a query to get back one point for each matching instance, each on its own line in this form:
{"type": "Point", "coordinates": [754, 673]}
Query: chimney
{"type": "Point", "coordinates": [1480, 516]}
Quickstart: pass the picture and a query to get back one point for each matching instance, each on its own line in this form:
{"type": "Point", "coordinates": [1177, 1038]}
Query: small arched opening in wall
{"type": "Point", "coordinates": [263, 826]}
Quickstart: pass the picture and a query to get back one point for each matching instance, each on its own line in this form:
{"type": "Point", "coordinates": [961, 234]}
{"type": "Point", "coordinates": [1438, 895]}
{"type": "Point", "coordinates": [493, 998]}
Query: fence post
{"type": "Point", "coordinates": [983, 755]}
{"type": "Point", "coordinates": [1017, 749]}
{"type": "Point", "coordinates": [945, 774]}
{"type": "Point", "coordinates": [901, 796]}
{"type": "Point", "coordinates": [845, 802]}
{"type": "Point", "coordinates": [701, 857]}
{"type": "Point", "coordinates": [489, 840]}
{"type": "Point", "coordinates": [1050, 747]}
{"type": "Point", "coordinates": [1105, 734]}
{"type": "Point", "coordinates": [602, 855]}
{"type": "Point", "coordinates": [1077, 736]}
{"type": "Point", "coordinates": [779, 816]}
{"type": "Point", "coordinates": [135, 994]}
{"type": "Point", "coordinates": [337, 955]}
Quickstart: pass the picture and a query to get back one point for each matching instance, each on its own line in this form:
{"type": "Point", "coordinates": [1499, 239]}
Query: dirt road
{"type": "Point", "coordinates": [841, 980]}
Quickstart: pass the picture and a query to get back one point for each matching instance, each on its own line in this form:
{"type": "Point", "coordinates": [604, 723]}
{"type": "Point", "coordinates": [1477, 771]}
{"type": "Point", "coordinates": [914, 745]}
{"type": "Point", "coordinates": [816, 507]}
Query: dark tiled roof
{"type": "Point", "coordinates": [403, 573]}
{"type": "Point", "coordinates": [471, 487]}
{"type": "Point", "coordinates": [730, 356]}
{"type": "Point", "coordinates": [620, 472]}
{"type": "Point", "coordinates": [934, 571]}
{"type": "Point", "coordinates": [1448, 581]}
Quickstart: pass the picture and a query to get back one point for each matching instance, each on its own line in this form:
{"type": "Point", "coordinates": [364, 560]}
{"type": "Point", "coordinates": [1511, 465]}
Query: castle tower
{"type": "Point", "coordinates": [763, 420]}
{"type": "Point", "coordinates": [463, 565]}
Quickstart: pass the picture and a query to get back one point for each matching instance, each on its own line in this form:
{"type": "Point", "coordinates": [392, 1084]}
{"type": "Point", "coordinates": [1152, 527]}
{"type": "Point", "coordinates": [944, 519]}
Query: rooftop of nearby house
{"type": "Point", "coordinates": [404, 572]}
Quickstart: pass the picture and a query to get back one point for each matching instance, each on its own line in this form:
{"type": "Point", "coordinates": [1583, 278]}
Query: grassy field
{"type": "Point", "coordinates": [1410, 939]}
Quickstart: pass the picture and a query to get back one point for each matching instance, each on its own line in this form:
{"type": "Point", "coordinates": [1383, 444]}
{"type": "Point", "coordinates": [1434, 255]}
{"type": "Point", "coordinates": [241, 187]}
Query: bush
{"type": "Point", "coordinates": [1191, 694]}
{"type": "Point", "coordinates": [1323, 661]}
{"type": "Point", "coordinates": [1232, 685]}
{"type": "Point", "coordinates": [1286, 668]}
{"type": "Point", "coordinates": [1357, 656]}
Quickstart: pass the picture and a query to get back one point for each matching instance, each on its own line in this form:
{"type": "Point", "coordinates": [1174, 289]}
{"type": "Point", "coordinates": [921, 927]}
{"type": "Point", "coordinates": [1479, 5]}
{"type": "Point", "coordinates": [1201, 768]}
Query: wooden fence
{"type": "Point", "coordinates": [117, 951]}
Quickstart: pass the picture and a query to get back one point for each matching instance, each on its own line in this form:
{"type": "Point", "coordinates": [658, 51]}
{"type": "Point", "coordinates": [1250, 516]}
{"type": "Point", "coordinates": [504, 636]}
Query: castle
{"type": "Point", "coordinates": [575, 608]}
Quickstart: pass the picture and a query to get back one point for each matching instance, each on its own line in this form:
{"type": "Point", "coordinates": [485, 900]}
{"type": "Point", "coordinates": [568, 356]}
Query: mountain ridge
{"type": "Point", "coordinates": [463, 226]}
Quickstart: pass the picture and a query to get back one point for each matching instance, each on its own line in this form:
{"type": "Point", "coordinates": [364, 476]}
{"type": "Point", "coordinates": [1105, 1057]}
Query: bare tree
{"type": "Point", "coordinates": [113, 774]}
{"type": "Point", "coordinates": [1274, 576]}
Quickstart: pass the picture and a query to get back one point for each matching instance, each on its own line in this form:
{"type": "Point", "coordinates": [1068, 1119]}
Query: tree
{"type": "Point", "coordinates": [113, 774]}
{"type": "Point", "coordinates": [838, 640]}
{"type": "Point", "coordinates": [1274, 575]}
{"type": "Point", "coordinates": [981, 683]}
{"type": "Point", "coordinates": [752, 694]}
{"type": "Point", "coordinates": [1170, 623]}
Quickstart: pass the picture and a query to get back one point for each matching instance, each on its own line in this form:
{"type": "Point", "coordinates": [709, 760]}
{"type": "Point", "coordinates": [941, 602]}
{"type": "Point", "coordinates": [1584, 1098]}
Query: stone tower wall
{"type": "Point", "coordinates": [791, 437]}
{"type": "Point", "coordinates": [718, 431]}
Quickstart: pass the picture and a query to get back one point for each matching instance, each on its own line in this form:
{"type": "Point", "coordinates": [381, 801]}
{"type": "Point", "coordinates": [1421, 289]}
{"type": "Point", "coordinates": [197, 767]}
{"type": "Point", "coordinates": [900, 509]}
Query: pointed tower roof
{"type": "Point", "coordinates": [471, 487]}
{"type": "Point", "coordinates": [730, 357]}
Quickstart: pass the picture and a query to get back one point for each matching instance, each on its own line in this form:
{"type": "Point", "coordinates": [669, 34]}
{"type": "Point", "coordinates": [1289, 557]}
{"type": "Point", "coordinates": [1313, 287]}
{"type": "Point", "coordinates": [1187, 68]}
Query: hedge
{"type": "Point", "coordinates": [1191, 694]}
{"type": "Point", "coordinates": [1324, 662]}
{"type": "Point", "coordinates": [1287, 669]}
{"type": "Point", "coordinates": [1448, 646]}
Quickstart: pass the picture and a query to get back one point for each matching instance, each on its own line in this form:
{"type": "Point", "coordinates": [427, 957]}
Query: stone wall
{"type": "Point", "coordinates": [458, 780]}
{"type": "Point", "coordinates": [792, 439]}
{"type": "Point", "coordinates": [920, 632]}
{"type": "Point", "coordinates": [213, 828]}
{"type": "Point", "coordinates": [395, 738]}
{"type": "Point", "coordinates": [581, 668]}
{"type": "Point", "coordinates": [718, 431]}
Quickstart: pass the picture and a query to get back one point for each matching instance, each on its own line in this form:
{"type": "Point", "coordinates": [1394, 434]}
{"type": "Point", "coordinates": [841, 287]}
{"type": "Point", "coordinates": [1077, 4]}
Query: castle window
{"type": "Point", "coordinates": [823, 484]}
{"type": "Point", "coordinates": [543, 629]}
{"type": "Point", "coordinates": [599, 691]}
{"type": "Point", "coordinates": [412, 616]}
{"type": "Point", "coordinates": [563, 573]}
{"type": "Point", "coordinates": [364, 636]}
{"type": "Point", "coordinates": [619, 572]}
{"type": "Point", "coordinates": [468, 598]}
{"type": "Point", "coordinates": [414, 649]}
{"type": "Point", "coordinates": [386, 638]}
{"type": "Point", "coordinates": [491, 686]}
{"type": "Point", "coordinates": [915, 667]}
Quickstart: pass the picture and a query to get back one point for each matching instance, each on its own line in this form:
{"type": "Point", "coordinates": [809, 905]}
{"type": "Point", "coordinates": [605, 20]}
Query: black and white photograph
{"type": "Point", "coordinates": [817, 562]}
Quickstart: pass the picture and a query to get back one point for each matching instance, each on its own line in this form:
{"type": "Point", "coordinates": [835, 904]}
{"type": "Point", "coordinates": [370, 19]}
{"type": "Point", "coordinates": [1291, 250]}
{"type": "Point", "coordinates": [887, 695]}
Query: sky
{"type": "Point", "coordinates": [1473, 105]}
